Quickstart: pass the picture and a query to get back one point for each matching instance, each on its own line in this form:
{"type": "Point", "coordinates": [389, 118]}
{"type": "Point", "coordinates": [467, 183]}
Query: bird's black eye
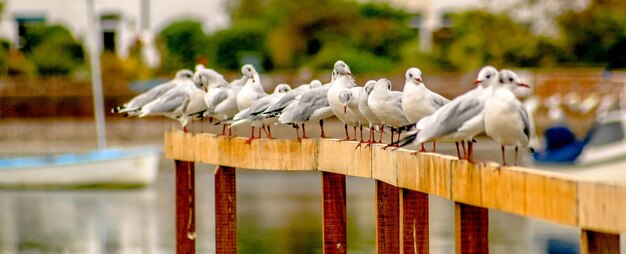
{"type": "Point", "coordinates": [510, 79]}
{"type": "Point", "coordinates": [501, 81]}
{"type": "Point", "coordinates": [488, 76]}
{"type": "Point", "coordinates": [410, 75]}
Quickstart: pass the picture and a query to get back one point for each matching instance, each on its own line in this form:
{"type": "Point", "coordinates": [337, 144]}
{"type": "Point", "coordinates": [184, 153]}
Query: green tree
{"type": "Point", "coordinates": [181, 44]}
{"type": "Point", "coordinates": [596, 34]}
{"type": "Point", "coordinates": [52, 49]}
{"type": "Point", "coordinates": [477, 38]}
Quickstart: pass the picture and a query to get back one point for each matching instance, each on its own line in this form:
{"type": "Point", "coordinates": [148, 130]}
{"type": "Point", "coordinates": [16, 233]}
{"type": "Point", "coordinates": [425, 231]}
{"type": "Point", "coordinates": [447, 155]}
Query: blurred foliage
{"type": "Point", "coordinates": [298, 33]}
{"type": "Point", "coordinates": [230, 47]}
{"type": "Point", "coordinates": [181, 44]}
{"type": "Point", "coordinates": [52, 49]}
{"type": "Point", "coordinates": [597, 34]}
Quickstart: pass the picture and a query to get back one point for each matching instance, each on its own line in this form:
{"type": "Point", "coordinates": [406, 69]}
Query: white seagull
{"type": "Point", "coordinates": [311, 106]}
{"type": "Point", "coordinates": [178, 103]}
{"type": "Point", "coordinates": [417, 100]}
{"type": "Point", "coordinates": [506, 119]}
{"type": "Point", "coordinates": [387, 105]}
{"type": "Point", "coordinates": [459, 120]}
{"type": "Point", "coordinates": [374, 122]}
{"type": "Point", "coordinates": [253, 115]}
{"type": "Point", "coordinates": [132, 107]}
{"type": "Point", "coordinates": [343, 81]}
{"type": "Point", "coordinates": [350, 101]}
{"type": "Point", "coordinates": [252, 90]}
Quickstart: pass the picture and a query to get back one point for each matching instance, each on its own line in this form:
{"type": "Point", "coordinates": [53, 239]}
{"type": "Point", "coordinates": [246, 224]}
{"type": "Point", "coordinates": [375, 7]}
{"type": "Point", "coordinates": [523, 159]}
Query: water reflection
{"type": "Point", "coordinates": [278, 212]}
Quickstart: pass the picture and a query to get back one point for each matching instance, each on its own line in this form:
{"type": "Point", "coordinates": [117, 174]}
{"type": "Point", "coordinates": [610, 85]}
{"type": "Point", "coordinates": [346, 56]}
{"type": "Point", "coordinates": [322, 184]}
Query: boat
{"type": "Point", "coordinates": [600, 156]}
{"type": "Point", "coordinates": [103, 167]}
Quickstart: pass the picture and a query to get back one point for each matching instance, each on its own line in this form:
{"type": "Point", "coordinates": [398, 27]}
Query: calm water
{"type": "Point", "coordinates": [277, 213]}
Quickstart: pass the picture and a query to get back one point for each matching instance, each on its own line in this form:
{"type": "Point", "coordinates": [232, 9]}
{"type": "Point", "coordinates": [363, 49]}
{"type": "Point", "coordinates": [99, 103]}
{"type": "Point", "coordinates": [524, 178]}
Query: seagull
{"type": "Point", "coordinates": [132, 107]}
{"type": "Point", "coordinates": [343, 81]}
{"type": "Point", "coordinates": [311, 106]}
{"type": "Point", "coordinates": [506, 119]}
{"type": "Point", "coordinates": [277, 108]}
{"type": "Point", "coordinates": [253, 115]}
{"type": "Point", "coordinates": [387, 105]}
{"type": "Point", "coordinates": [417, 100]}
{"type": "Point", "coordinates": [220, 96]}
{"type": "Point", "coordinates": [366, 111]}
{"type": "Point", "coordinates": [252, 90]}
{"type": "Point", "coordinates": [178, 103]}
{"type": "Point", "coordinates": [349, 100]}
{"type": "Point", "coordinates": [459, 120]}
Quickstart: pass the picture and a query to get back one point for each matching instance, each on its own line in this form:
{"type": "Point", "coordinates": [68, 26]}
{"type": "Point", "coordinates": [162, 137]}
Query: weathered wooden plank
{"type": "Point", "coordinates": [503, 188]}
{"type": "Point", "coordinates": [407, 169]}
{"type": "Point", "coordinates": [602, 207]}
{"type": "Point", "coordinates": [384, 164]}
{"type": "Point", "coordinates": [334, 213]}
{"type": "Point", "coordinates": [561, 199]}
{"type": "Point", "coordinates": [180, 145]}
{"type": "Point", "coordinates": [268, 154]}
{"type": "Point", "coordinates": [185, 207]}
{"type": "Point", "coordinates": [225, 210]}
{"type": "Point", "coordinates": [598, 243]}
{"type": "Point", "coordinates": [471, 229]}
{"type": "Point", "coordinates": [437, 175]}
{"type": "Point", "coordinates": [466, 183]}
{"type": "Point", "coordinates": [414, 222]}
{"type": "Point", "coordinates": [206, 149]}
{"type": "Point", "coordinates": [341, 157]}
{"type": "Point", "coordinates": [387, 218]}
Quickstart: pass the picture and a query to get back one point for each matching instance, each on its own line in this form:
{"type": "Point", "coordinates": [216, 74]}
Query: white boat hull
{"type": "Point", "coordinates": [125, 171]}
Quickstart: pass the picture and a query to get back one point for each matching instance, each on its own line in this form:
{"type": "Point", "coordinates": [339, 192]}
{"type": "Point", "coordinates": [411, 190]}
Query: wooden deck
{"type": "Point", "coordinates": [597, 207]}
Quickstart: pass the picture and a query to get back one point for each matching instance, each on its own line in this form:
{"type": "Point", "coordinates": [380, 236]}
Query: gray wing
{"type": "Point", "coordinates": [454, 115]}
{"type": "Point", "coordinates": [283, 102]}
{"type": "Point", "coordinates": [218, 98]}
{"type": "Point", "coordinates": [525, 119]}
{"type": "Point", "coordinates": [170, 101]}
{"type": "Point", "coordinates": [439, 100]}
{"type": "Point", "coordinates": [150, 95]}
{"type": "Point", "coordinates": [259, 106]}
{"type": "Point", "coordinates": [396, 99]}
{"type": "Point", "coordinates": [302, 110]}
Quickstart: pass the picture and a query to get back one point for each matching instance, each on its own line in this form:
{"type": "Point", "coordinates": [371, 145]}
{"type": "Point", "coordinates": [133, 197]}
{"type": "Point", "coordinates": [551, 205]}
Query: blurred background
{"type": "Point", "coordinates": [572, 52]}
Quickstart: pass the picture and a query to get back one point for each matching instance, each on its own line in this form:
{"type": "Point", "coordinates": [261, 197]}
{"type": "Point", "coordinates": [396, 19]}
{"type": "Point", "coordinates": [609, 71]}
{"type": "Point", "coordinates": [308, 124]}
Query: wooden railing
{"type": "Point", "coordinates": [403, 183]}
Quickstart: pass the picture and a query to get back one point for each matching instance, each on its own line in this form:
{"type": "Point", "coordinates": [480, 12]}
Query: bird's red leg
{"type": "Point", "coordinates": [464, 151]}
{"type": "Point", "coordinates": [252, 136]}
{"type": "Point", "coordinates": [470, 152]}
{"type": "Point", "coordinates": [345, 127]}
{"type": "Point", "coordinates": [503, 156]}
{"type": "Point", "coordinates": [382, 130]}
{"type": "Point", "coordinates": [423, 148]}
{"type": "Point", "coordinates": [434, 147]}
{"type": "Point", "coordinates": [304, 131]}
{"type": "Point", "coordinates": [223, 129]}
{"type": "Point", "coordinates": [269, 131]}
{"type": "Point", "coordinates": [515, 156]}
{"type": "Point", "coordinates": [297, 128]}
{"type": "Point", "coordinates": [322, 128]}
{"type": "Point", "coordinates": [458, 152]}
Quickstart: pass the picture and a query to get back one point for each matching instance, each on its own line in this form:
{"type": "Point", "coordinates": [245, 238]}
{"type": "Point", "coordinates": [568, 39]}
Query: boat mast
{"type": "Point", "coordinates": [96, 78]}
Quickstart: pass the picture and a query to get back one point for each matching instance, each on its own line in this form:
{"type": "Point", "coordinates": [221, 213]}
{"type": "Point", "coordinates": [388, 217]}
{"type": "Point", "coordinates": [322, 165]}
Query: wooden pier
{"type": "Point", "coordinates": [403, 183]}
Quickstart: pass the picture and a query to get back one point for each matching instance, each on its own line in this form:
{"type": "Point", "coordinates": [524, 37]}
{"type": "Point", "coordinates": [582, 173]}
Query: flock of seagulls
{"type": "Point", "coordinates": [491, 107]}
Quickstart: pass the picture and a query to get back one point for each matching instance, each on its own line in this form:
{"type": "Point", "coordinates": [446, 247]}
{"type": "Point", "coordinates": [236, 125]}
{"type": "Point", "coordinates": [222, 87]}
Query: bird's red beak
{"type": "Point", "coordinates": [476, 82]}
{"type": "Point", "coordinates": [523, 84]}
{"type": "Point", "coordinates": [345, 109]}
{"type": "Point", "coordinates": [418, 79]}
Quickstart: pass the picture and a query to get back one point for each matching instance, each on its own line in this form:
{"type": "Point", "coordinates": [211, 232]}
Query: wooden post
{"type": "Point", "coordinates": [387, 218]}
{"type": "Point", "coordinates": [598, 242]}
{"type": "Point", "coordinates": [471, 229]}
{"type": "Point", "coordinates": [185, 207]}
{"type": "Point", "coordinates": [225, 210]}
{"type": "Point", "coordinates": [414, 223]}
{"type": "Point", "coordinates": [334, 213]}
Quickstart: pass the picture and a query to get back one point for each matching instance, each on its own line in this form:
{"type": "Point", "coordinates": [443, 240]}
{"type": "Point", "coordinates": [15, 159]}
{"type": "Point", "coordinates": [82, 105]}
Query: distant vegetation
{"type": "Point", "coordinates": [370, 36]}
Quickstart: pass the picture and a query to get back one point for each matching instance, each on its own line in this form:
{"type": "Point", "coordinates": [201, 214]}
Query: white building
{"type": "Point", "coordinates": [121, 21]}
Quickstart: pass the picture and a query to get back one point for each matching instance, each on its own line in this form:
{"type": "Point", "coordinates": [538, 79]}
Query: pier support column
{"type": "Point", "coordinates": [387, 218]}
{"type": "Point", "coordinates": [414, 216]}
{"type": "Point", "coordinates": [598, 242]}
{"type": "Point", "coordinates": [185, 207]}
{"type": "Point", "coordinates": [225, 210]}
{"type": "Point", "coordinates": [471, 229]}
{"type": "Point", "coordinates": [334, 213]}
